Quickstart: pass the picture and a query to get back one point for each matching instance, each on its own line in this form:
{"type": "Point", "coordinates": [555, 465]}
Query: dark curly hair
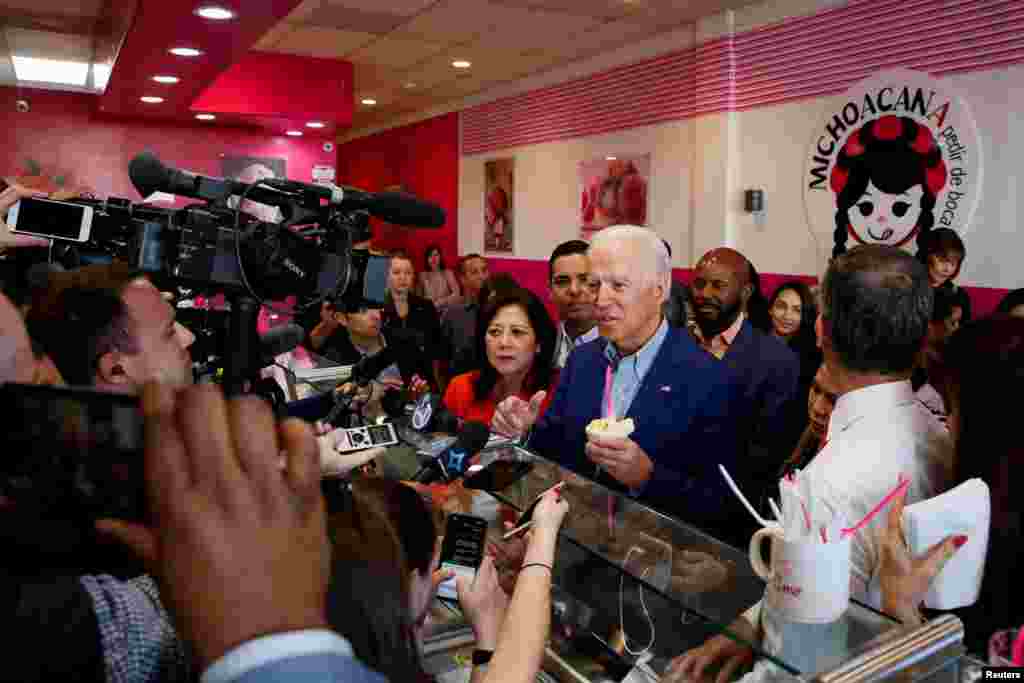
{"type": "Point", "coordinates": [541, 374]}
{"type": "Point", "coordinates": [894, 153]}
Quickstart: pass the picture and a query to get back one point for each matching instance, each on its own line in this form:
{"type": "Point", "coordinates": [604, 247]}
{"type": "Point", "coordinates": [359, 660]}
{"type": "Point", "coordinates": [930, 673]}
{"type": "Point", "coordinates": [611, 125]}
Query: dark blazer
{"type": "Point", "coordinates": [768, 373]}
{"type": "Point", "coordinates": [682, 413]}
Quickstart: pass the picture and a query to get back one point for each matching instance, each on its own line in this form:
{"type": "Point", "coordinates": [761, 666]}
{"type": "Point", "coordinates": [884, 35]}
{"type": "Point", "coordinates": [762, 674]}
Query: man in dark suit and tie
{"type": "Point", "coordinates": [767, 371]}
{"type": "Point", "coordinates": [642, 368]}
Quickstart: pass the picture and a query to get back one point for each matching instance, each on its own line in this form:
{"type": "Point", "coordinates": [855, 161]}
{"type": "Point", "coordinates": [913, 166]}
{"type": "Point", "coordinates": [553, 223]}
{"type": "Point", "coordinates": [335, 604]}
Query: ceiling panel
{"type": "Point", "coordinates": [274, 36]}
{"type": "Point", "coordinates": [524, 30]}
{"type": "Point", "coordinates": [451, 21]}
{"type": "Point", "coordinates": [321, 42]}
{"type": "Point", "coordinates": [300, 14]}
{"type": "Point", "coordinates": [599, 9]}
{"type": "Point", "coordinates": [403, 7]}
{"type": "Point", "coordinates": [373, 76]}
{"type": "Point", "coordinates": [350, 19]}
{"type": "Point", "coordinates": [393, 53]}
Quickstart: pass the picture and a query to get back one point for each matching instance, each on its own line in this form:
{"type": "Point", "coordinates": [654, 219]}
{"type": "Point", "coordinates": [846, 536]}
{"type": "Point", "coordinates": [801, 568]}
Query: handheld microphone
{"type": "Point", "coordinates": [454, 461]}
{"type": "Point", "coordinates": [148, 174]}
{"type": "Point", "coordinates": [431, 415]}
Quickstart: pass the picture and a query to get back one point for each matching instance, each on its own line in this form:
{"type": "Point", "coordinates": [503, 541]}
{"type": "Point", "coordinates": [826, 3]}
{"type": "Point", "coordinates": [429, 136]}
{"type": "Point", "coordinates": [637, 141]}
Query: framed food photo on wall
{"type": "Point", "coordinates": [613, 191]}
{"type": "Point", "coordinates": [499, 228]}
{"type": "Point", "coordinates": [246, 169]}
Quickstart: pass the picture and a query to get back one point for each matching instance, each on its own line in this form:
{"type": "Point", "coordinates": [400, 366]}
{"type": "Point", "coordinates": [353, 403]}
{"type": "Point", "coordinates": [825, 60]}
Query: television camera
{"type": "Point", "coordinates": [313, 253]}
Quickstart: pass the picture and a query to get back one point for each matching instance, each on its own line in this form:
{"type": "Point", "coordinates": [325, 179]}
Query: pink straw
{"type": "Point", "coordinates": [900, 488]}
{"type": "Point", "coordinates": [608, 393]}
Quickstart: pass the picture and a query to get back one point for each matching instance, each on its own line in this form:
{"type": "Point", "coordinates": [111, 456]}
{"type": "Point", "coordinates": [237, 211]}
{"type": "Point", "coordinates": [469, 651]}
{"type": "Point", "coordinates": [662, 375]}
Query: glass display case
{"type": "Point", "coordinates": [634, 588]}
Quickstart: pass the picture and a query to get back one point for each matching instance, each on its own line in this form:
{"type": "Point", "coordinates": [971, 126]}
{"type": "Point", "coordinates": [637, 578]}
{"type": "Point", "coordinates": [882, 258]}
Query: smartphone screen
{"type": "Point", "coordinates": [59, 220]}
{"type": "Point", "coordinates": [72, 450]}
{"type": "Point", "coordinates": [462, 550]}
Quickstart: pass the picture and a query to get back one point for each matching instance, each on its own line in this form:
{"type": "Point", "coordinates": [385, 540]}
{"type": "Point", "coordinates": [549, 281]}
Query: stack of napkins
{"type": "Point", "coordinates": [966, 510]}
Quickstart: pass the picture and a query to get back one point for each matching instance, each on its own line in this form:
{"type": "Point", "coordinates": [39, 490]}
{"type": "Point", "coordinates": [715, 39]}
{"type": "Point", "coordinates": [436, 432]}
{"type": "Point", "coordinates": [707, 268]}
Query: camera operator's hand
{"type": "Point", "coordinates": [8, 240]}
{"type": "Point", "coordinates": [240, 544]}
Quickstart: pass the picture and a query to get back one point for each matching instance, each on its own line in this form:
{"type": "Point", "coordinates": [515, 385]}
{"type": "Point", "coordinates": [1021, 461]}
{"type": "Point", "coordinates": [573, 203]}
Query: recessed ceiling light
{"type": "Point", "coordinates": [294, 133]}
{"type": "Point", "coordinates": [369, 101]}
{"type": "Point", "coordinates": [410, 85]}
{"type": "Point", "coordinates": [610, 158]}
{"type": "Point", "coordinates": [205, 117]}
{"type": "Point", "coordinates": [461, 64]}
{"type": "Point", "coordinates": [149, 99]}
{"type": "Point", "coordinates": [215, 13]}
{"type": "Point", "coordinates": [185, 51]}
{"type": "Point", "coordinates": [50, 70]}
{"type": "Point", "coordinates": [166, 79]}
{"type": "Point", "coordinates": [315, 124]}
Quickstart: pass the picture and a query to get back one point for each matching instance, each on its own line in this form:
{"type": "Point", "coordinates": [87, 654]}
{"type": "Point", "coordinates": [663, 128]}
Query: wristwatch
{"type": "Point", "coordinates": [482, 657]}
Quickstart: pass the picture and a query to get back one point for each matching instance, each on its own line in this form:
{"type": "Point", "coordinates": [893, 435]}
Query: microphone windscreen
{"type": "Point", "coordinates": [473, 436]}
{"type": "Point", "coordinates": [147, 173]}
{"type": "Point", "coordinates": [403, 209]}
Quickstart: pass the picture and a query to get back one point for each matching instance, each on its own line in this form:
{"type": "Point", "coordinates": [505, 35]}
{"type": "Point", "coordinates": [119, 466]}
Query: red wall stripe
{"type": "Point", "coordinates": [798, 58]}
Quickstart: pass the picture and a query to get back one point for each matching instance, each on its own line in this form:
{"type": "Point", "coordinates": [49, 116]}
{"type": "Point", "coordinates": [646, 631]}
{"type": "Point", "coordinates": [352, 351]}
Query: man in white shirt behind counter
{"type": "Point", "coordinates": [876, 308]}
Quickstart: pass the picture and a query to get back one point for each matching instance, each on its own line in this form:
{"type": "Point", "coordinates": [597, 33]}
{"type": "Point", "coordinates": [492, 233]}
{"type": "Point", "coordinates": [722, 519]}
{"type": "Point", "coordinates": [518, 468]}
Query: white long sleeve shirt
{"type": "Point", "coordinates": [874, 435]}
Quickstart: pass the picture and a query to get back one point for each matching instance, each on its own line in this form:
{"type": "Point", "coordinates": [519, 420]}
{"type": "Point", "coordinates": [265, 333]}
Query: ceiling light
{"type": "Point", "coordinates": [315, 124]}
{"type": "Point", "coordinates": [205, 117]}
{"type": "Point", "coordinates": [149, 99]}
{"type": "Point", "coordinates": [185, 51]}
{"type": "Point", "coordinates": [369, 102]}
{"type": "Point", "coordinates": [461, 64]}
{"type": "Point", "coordinates": [294, 133]}
{"type": "Point", "coordinates": [166, 79]}
{"type": "Point", "coordinates": [410, 85]}
{"type": "Point", "coordinates": [100, 76]}
{"type": "Point", "coordinates": [610, 158]}
{"type": "Point", "coordinates": [50, 70]}
{"type": "Point", "coordinates": [215, 13]}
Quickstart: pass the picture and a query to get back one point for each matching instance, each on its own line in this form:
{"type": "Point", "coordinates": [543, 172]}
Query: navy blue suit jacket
{"type": "Point", "coordinates": [768, 374]}
{"type": "Point", "coordinates": [683, 414]}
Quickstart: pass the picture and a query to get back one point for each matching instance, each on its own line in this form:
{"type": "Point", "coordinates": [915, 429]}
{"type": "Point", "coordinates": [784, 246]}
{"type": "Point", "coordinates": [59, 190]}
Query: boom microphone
{"type": "Point", "coordinates": [453, 462]}
{"type": "Point", "coordinates": [148, 174]}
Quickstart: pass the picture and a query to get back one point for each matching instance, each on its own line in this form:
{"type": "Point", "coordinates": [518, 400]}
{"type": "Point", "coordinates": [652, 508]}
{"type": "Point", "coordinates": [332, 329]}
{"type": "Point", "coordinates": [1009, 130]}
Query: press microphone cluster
{"type": "Point", "coordinates": [148, 174]}
{"type": "Point", "coordinates": [452, 463]}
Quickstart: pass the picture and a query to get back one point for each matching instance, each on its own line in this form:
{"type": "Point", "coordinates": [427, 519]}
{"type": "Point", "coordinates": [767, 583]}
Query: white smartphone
{"type": "Point", "coordinates": [52, 219]}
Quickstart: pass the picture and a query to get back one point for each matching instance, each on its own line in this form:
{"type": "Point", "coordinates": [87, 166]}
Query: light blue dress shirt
{"type": "Point", "coordinates": [629, 371]}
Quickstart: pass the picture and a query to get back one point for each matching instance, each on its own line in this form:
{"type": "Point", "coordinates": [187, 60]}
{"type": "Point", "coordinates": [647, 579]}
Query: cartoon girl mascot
{"type": "Point", "coordinates": [886, 180]}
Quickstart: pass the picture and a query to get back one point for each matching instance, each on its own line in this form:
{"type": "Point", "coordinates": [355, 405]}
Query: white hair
{"type": "Point", "coordinates": [652, 247]}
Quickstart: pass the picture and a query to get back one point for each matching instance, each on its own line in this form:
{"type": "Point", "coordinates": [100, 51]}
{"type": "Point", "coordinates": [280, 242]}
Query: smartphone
{"type": "Point", "coordinates": [496, 476]}
{"type": "Point", "coordinates": [48, 218]}
{"type": "Point", "coordinates": [72, 451]}
{"type": "Point", "coordinates": [462, 550]}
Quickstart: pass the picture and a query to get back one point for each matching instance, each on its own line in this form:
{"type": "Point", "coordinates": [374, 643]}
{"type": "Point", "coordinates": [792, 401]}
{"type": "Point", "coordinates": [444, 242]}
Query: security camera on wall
{"type": "Point", "coordinates": [22, 106]}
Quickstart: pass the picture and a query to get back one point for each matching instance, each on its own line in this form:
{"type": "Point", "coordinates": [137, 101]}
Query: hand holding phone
{"type": "Point", "coordinates": [51, 219]}
{"type": "Point", "coordinates": [9, 196]}
{"type": "Point", "coordinates": [462, 551]}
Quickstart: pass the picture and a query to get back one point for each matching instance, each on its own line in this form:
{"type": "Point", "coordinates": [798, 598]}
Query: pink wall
{"type": "Point", "coordinates": [63, 133]}
{"type": "Point", "coordinates": [423, 158]}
